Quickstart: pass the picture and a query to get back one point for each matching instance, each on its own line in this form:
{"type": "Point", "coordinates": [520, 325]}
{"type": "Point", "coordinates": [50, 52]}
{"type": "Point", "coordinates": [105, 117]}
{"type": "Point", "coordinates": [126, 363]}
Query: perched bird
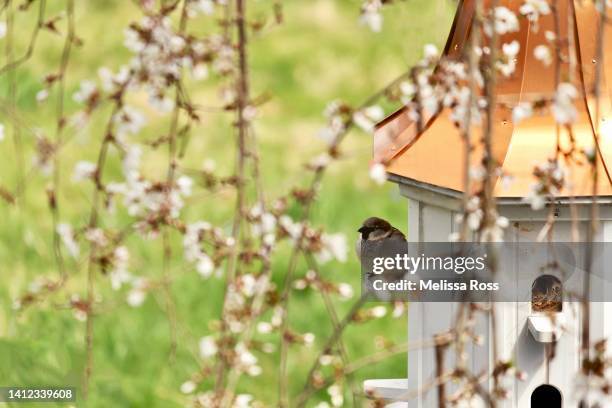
{"type": "Point", "coordinates": [376, 229]}
{"type": "Point", "coordinates": [378, 238]}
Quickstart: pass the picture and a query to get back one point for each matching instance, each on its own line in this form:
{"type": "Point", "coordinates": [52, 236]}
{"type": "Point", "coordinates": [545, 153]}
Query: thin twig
{"type": "Point", "coordinates": [11, 65]}
{"type": "Point", "coordinates": [12, 94]}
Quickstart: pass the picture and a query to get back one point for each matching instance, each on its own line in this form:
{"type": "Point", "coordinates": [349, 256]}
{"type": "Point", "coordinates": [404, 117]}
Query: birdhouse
{"type": "Point", "coordinates": [427, 162]}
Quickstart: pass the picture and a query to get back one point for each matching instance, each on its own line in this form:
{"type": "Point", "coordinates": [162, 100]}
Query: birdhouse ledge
{"type": "Point", "coordinates": [545, 328]}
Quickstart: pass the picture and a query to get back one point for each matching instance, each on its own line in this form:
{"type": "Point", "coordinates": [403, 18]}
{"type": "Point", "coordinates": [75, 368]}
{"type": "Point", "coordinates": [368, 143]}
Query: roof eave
{"type": "Point", "coordinates": [450, 194]}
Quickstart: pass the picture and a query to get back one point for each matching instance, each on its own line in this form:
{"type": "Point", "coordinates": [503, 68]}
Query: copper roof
{"type": "Point", "coordinates": [436, 155]}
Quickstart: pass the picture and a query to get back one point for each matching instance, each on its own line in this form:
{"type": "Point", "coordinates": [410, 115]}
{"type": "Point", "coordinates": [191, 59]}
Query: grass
{"type": "Point", "coordinates": [320, 53]}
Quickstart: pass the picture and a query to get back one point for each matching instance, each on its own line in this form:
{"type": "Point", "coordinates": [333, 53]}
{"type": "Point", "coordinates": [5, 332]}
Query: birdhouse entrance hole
{"type": "Point", "coordinates": [547, 294]}
{"type": "Point", "coordinates": [546, 396]}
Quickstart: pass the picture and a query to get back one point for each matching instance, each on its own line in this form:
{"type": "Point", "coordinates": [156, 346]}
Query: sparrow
{"type": "Point", "coordinates": [376, 229]}
{"type": "Point", "coordinates": [378, 238]}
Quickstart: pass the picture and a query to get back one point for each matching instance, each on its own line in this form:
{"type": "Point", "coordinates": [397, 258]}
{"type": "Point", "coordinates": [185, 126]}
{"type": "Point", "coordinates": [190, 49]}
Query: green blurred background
{"type": "Point", "coordinates": [320, 53]}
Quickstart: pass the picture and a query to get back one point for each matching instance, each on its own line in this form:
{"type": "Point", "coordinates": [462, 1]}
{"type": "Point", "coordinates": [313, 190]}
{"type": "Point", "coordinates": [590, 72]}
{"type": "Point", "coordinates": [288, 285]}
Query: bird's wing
{"type": "Point", "coordinates": [397, 234]}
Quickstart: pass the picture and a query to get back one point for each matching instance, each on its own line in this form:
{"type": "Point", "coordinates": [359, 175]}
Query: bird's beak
{"type": "Point", "coordinates": [362, 229]}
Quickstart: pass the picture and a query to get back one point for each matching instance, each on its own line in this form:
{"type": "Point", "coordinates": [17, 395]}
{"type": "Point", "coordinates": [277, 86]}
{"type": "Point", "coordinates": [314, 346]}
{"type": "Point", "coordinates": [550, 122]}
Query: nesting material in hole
{"type": "Point", "coordinates": [547, 294]}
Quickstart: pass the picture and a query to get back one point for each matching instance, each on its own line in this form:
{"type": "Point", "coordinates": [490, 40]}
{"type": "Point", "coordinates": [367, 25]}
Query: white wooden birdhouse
{"type": "Point", "coordinates": [428, 166]}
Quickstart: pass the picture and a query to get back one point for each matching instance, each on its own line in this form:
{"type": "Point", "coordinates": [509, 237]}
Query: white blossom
{"type": "Point", "coordinates": [243, 401]}
{"type": "Point", "coordinates": [246, 361]}
{"type": "Point", "coordinates": [42, 95]}
{"type": "Point", "coordinates": [474, 219]}
{"type": "Point", "coordinates": [205, 266]}
{"type": "Point", "coordinates": [85, 92]}
{"type": "Point", "coordinates": [188, 387]}
{"type": "Point", "coordinates": [592, 388]}
{"type": "Point", "coordinates": [430, 52]}
{"type": "Point", "coordinates": [321, 161]}
{"type": "Point", "coordinates": [345, 290]}
{"type": "Point", "coordinates": [277, 316]}
{"type": "Point", "coordinates": [140, 196]}
{"type": "Point", "coordinates": [131, 163]}
{"type": "Point", "coordinates": [308, 338]}
{"type": "Point", "coordinates": [371, 14]}
{"type": "Point", "coordinates": [177, 43]}
{"type": "Point", "coordinates": [206, 399]}
{"type": "Point", "coordinates": [502, 222]}
{"type": "Point", "coordinates": [336, 395]}
{"type": "Point", "coordinates": [228, 96]}
{"type": "Point", "coordinates": [478, 172]}
{"type": "Point", "coordinates": [521, 112]}
{"type": "Point", "coordinates": [224, 64]}
{"type": "Point", "coordinates": [128, 120]}
{"type": "Point", "coordinates": [363, 122]}
{"type": "Point", "coordinates": [67, 236]}
{"type": "Point", "coordinates": [374, 112]}
{"type": "Point", "coordinates": [494, 232]}
{"type": "Point", "coordinates": [294, 229]}
{"type": "Point", "coordinates": [505, 21]}
{"type": "Point", "coordinates": [193, 250]}
{"type": "Point", "coordinates": [208, 347]}
{"type": "Point", "coordinates": [161, 103]}
{"type": "Point", "coordinates": [532, 9]}
{"type": "Point", "coordinates": [535, 199]}
{"type": "Point", "coordinates": [326, 359]}
{"type": "Point", "coordinates": [550, 181]}
{"type": "Point", "coordinates": [564, 109]}
{"type": "Point", "coordinates": [408, 90]}
{"type": "Point", "coordinates": [199, 72]}
{"type": "Point", "coordinates": [264, 327]}
{"type": "Point", "coordinates": [398, 309]}
{"type": "Point", "coordinates": [202, 6]}
{"type": "Point", "coordinates": [84, 170]}
{"type": "Point", "coordinates": [473, 203]}
{"type": "Point", "coordinates": [378, 173]}
{"type": "Point", "coordinates": [378, 311]}
{"type": "Point", "coordinates": [185, 185]}
{"type": "Point", "coordinates": [510, 51]}
{"type": "Point", "coordinates": [334, 247]}
{"type": "Point", "coordinates": [248, 284]}
{"type": "Point", "coordinates": [132, 41]}
{"type": "Point", "coordinates": [119, 274]}
{"type": "Point", "coordinates": [366, 118]}
{"type": "Point", "coordinates": [542, 53]}
{"type": "Point", "coordinates": [135, 193]}
{"type": "Point", "coordinates": [111, 81]}
{"type": "Point", "coordinates": [335, 126]}
{"type": "Point", "coordinates": [137, 295]}
{"type": "Point", "coordinates": [249, 113]}
{"type": "Point", "coordinates": [1, 132]}
{"type": "Point", "coordinates": [428, 94]}
{"type": "Point", "coordinates": [473, 401]}
{"type": "Point", "coordinates": [265, 225]}
{"type": "Point", "coordinates": [36, 285]}
{"type": "Point", "coordinates": [96, 236]}
{"type": "Point", "coordinates": [2, 29]}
